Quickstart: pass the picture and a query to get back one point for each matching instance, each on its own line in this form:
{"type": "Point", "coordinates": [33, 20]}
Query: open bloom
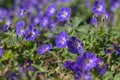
{"type": "Point", "coordinates": [51, 10]}
{"type": "Point", "coordinates": [20, 28]}
{"type": "Point", "coordinates": [61, 40]}
{"type": "Point", "coordinates": [87, 61]}
{"type": "Point", "coordinates": [44, 22]}
{"type": "Point", "coordinates": [75, 45]}
{"type": "Point", "coordinates": [44, 48]}
{"type": "Point", "coordinates": [99, 7]}
{"type": "Point", "coordinates": [64, 14]}
{"type": "Point", "coordinates": [31, 33]}
{"type": "Point", "coordinates": [101, 67]}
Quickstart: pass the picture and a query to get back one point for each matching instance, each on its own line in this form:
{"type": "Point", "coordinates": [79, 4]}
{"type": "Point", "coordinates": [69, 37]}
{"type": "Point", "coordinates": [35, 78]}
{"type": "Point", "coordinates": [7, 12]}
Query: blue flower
{"type": "Point", "coordinates": [21, 13]}
{"type": "Point", "coordinates": [99, 7]}
{"type": "Point", "coordinates": [74, 45]}
{"type": "Point", "coordinates": [115, 5]}
{"type": "Point", "coordinates": [68, 64]}
{"type": "Point", "coordinates": [31, 33]}
{"type": "Point", "coordinates": [52, 25]}
{"type": "Point", "coordinates": [101, 67]}
{"type": "Point", "coordinates": [94, 21]}
{"type": "Point", "coordinates": [1, 52]}
{"type": "Point", "coordinates": [87, 60]}
{"type": "Point", "coordinates": [44, 48]}
{"type": "Point", "coordinates": [20, 28]}
{"type": "Point", "coordinates": [61, 40]}
{"type": "Point", "coordinates": [51, 10]}
{"type": "Point", "coordinates": [5, 28]}
{"type": "Point", "coordinates": [44, 22]}
{"type": "Point", "coordinates": [64, 14]}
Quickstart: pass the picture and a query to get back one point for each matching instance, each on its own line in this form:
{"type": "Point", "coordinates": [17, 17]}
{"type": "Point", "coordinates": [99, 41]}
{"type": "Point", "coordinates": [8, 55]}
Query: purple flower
{"type": "Point", "coordinates": [52, 25]}
{"type": "Point", "coordinates": [64, 14]}
{"type": "Point", "coordinates": [87, 61]}
{"type": "Point", "coordinates": [61, 40]}
{"type": "Point", "coordinates": [31, 33]}
{"type": "Point", "coordinates": [74, 45]}
{"type": "Point", "coordinates": [94, 21]}
{"type": "Point", "coordinates": [99, 7]}
{"type": "Point", "coordinates": [20, 28]}
{"type": "Point", "coordinates": [115, 5]}
{"type": "Point", "coordinates": [44, 48]}
{"type": "Point", "coordinates": [44, 22]}
{"type": "Point", "coordinates": [69, 64]}
{"type": "Point", "coordinates": [21, 13]}
{"type": "Point", "coordinates": [51, 10]}
{"type": "Point", "coordinates": [101, 67]}
{"type": "Point", "coordinates": [5, 28]}
{"type": "Point", "coordinates": [1, 52]}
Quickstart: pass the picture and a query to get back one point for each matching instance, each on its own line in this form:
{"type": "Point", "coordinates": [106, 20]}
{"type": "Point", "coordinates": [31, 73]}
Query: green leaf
{"type": "Point", "coordinates": [117, 76]}
{"type": "Point", "coordinates": [108, 76]}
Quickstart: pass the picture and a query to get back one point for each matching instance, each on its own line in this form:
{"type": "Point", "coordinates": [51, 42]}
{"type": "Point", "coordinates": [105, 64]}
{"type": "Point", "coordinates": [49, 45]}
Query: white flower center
{"type": "Point", "coordinates": [64, 14]}
{"type": "Point", "coordinates": [52, 10]}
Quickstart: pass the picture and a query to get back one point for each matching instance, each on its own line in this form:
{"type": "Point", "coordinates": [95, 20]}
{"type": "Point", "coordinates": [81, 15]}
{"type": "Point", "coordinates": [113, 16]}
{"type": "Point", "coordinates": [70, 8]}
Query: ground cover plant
{"type": "Point", "coordinates": [59, 39]}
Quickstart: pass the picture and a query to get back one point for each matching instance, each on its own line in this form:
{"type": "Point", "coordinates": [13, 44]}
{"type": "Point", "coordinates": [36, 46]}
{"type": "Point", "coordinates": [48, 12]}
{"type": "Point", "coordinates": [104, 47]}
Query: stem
{"type": "Point", "coordinates": [109, 57]}
{"type": "Point", "coordinates": [83, 74]}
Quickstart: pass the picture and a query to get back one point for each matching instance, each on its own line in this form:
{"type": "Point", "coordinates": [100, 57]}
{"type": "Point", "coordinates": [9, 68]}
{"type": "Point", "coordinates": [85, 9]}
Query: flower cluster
{"type": "Point", "coordinates": [84, 64]}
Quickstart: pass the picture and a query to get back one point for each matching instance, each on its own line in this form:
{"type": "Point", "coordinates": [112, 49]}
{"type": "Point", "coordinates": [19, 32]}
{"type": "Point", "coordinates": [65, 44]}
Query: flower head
{"type": "Point", "coordinates": [64, 14]}
{"type": "Point", "coordinates": [115, 5]}
{"type": "Point", "coordinates": [20, 28]}
{"type": "Point", "coordinates": [101, 67]}
{"type": "Point", "coordinates": [44, 22]}
{"type": "Point", "coordinates": [94, 21]}
{"type": "Point", "coordinates": [99, 7]}
{"type": "Point", "coordinates": [89, 61]}
{"type": "Point", "coordinates": [51, 10]}
{"type": "Point", "coordinates": [44, 48]}
{"type": "Point", "coordinates": [31, 33]}
{"type": "Point", "coordinates": [61, 40]}
{"type": "Point", "coordinates": [75, 45]}
{"type": "Point", "coordinates": [69, 64]}
{"type": "Point", "coordinates": [21, 13]}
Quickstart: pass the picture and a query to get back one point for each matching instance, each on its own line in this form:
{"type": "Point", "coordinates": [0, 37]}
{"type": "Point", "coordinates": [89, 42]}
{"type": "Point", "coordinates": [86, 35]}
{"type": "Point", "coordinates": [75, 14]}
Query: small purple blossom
{"type": "Point", "coordinates": [115, 4]}
{"type": "Point", "coordinates": [44, 22]}
{"type": "Point", "coordinates": [75, 45]}
{"type": "Point", "coordinates": [69, 64]}
{"type": "Point", "coordinates": [101, 67]}
{"type": "Point", "coordinates": [21, 13]}
{"type": "Point", "coordinates": [5, 28]}
{"type": "Point", "coordinates": [94, 21]}
{"type": "Point", "coordinates": [44, 48]}
{"type": "Point", "coordinates": [51, 10]}
{"type": "Point", "coordinates": [64, 14]}
{"type": "Point", "coordinates": [89, 61]}
{"type": "Point", "coordinates": [61, 40]}
{"type": "Point", "coordinates": [20, 28]}
{"type": "Point", "coordinates": [31, 33]}
{"type": "Point", "coordinates": [99, 7]}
